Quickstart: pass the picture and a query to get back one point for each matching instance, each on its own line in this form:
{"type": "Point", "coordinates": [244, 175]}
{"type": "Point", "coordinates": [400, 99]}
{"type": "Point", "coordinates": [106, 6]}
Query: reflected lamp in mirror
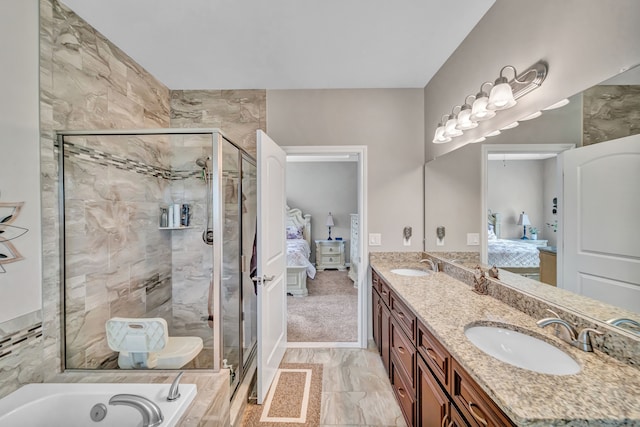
{"type": "Point", "coordinates": [523, 220]}
{"type": "Point", "coordinates": [329, 223]}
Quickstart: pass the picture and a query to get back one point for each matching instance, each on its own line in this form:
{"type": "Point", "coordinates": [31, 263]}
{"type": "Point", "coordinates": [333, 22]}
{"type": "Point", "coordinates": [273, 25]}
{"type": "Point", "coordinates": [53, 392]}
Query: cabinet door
{"type": "Point", "coordinates": [404, 352]}
{"type": "Point", "coordinates": [432, 402]}
{"type": "Point", "coordinates": [376, 311]}
{"type": "Point", "coordinates": [403, 392]}
{"type": "Point", "coordinates": [385, 338]}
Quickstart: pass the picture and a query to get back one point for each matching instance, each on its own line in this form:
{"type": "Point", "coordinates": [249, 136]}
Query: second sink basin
{"type": "Point", "coordinates": [414, 272]}
{"type": "Point", "coordinates": [522, 350]}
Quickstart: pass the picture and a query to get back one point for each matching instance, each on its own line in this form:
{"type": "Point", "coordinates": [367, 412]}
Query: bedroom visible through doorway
{"type": "Point", "coordinates": [324, 252]}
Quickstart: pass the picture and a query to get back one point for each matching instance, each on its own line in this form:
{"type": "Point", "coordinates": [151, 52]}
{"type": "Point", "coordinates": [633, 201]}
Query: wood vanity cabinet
{"type": "Point", "coordinates": [381, 317]}
{"type": "Point", "coordinates": [476, 406]}
{"type": "Point", "coordinates": [430, 386]}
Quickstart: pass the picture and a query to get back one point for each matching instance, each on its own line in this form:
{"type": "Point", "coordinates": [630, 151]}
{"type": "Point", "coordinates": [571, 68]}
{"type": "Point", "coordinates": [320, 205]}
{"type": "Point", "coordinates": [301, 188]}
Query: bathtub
{"type": "Point", "coordinates": [69, 405]}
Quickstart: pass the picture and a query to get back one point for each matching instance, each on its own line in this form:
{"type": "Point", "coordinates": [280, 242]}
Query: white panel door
{"type": "Point", "coordinates": [601, 206]}
{"type": "Point", "coordinates": [272, 259]}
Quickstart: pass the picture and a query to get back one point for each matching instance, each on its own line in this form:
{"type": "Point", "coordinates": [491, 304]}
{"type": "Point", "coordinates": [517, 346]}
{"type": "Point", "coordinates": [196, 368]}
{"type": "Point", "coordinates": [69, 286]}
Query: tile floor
{"type": "Point", "coordinates": [355, 387]}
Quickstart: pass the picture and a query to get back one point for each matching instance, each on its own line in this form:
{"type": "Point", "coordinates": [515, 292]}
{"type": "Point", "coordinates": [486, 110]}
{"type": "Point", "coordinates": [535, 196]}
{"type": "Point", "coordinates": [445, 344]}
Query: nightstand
{"type": "Point", "coordinates": [330, 254]}
{"type": "Point", "coordinates": [531, 242]}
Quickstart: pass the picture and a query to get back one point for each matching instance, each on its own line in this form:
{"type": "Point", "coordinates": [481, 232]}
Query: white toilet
{"type": "Point", "coordinates": [146, 344]}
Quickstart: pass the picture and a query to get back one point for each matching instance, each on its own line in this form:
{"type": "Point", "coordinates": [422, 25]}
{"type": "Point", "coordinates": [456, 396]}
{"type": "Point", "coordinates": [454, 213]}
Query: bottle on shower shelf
{"type": "Point", "coordinates": [164, 218]}
{"type": "Point", "coordinates": [184, 217]}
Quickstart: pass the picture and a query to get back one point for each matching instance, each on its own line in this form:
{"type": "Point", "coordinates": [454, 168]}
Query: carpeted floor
{"type": "Point", "coordinates": [294, 400]}
{"type": "Point", "coordinates": [328, 314]}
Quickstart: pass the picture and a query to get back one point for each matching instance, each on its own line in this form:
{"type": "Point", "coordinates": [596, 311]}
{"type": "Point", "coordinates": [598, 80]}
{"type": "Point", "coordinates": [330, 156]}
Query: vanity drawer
{"type": "Point", "coordinates": [475, 405]}
{"type": "Point", "coordinates": [405, 317]}
{"type": "Point", "coordinates": [403, 392]}
{"type": "Point", "coordinates": [329, 249]}
{"type": "Point", "coordinates": [328, 260]}
{"type": "Point", "coordinates": [404, 352]}
{"type": "Point", "coordinates": [385, 291]}
{"type": "Point", "coordinates": [434, 354]}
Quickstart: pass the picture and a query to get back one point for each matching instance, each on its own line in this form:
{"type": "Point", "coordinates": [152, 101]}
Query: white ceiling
{"type": "Point", "coordinates": [286, 44]}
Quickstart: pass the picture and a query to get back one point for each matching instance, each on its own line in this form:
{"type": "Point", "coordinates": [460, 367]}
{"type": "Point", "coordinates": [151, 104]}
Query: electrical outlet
{"type": "Point", "coordinates": [473, 239]}
{"type": "Point", "coordinates": [375, 239]}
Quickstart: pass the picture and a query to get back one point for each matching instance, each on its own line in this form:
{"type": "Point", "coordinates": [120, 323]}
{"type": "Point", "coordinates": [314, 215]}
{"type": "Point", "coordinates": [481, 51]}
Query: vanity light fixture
{"type": "Point", "coordinates": [503, 94]}
{"type": "Point", "coordinates": [479, 110]}
{"type": "Point", "coordinates": [464, 116]}
{"type": "Point", "coordinates": [558, 104]}
{"type": "Point", "coordinates": [482, 138]}
{"type": "Point", "coordinates": [439, 137]}
{"type": "Point", "coordinates": [494, 133]}
{"type": "Point", "coordinates": [450, 130]}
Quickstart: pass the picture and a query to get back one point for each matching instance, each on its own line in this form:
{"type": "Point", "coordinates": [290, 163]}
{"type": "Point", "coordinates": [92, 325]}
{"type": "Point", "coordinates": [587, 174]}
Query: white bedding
{"type": "Point", "coordinates": [298, 253]}
{"type": "Point", "coordinates": [512, 253]}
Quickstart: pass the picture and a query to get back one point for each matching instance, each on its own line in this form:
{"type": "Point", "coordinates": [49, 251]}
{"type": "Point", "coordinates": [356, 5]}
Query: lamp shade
{"type": "Point", "coordinates": [479, 110]}
{"type": "Point", "coordinates": [501, 96]}
{"type": "Point", "coordinates": [464, 119]}
{"type": "Point", "coordinates": [329, 222]}
{"type": "Point", "coordinates": [524, 219]}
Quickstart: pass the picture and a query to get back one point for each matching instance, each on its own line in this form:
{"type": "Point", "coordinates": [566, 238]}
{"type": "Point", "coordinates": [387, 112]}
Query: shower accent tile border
{"type": "Point", "coordinates": [16, 340]}
{"type": "Point", "coordinates": [106, 159]}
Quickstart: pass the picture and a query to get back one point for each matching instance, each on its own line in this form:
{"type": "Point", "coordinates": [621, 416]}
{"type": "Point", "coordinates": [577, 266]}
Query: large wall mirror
{"type": "Point", "coordinates": [521, 195]}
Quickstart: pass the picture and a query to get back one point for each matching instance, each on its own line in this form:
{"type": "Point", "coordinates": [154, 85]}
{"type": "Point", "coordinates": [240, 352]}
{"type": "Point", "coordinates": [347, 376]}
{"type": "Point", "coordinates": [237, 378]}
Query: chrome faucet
{"type": "Point", "coordinates": [568, 333]}
{"type": "Point", "coordinates": [616, 321]}
{"type": "Point", "coordinates": [434, 265]}
{"type": "Point", "coordinates": [174, 392]}
{"type": "Point", "coordinates": [151, 413]}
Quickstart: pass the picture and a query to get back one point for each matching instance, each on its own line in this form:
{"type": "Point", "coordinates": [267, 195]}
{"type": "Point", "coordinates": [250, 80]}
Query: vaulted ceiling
{"type": "Point", "coordinates": [286, 44]}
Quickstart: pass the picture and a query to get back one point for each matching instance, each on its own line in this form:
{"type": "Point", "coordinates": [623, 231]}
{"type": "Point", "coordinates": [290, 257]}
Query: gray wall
{"type": "Point", "coordinates": [389, 123]}
{"type": "Point", "coordinates": [318, 188]}
{"type": "Point", "coordinates": [515, 186]}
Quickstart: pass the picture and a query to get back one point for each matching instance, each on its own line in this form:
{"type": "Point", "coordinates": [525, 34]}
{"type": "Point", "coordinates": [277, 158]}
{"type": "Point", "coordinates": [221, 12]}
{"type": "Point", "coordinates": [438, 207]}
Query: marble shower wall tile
{"type": "Point", "coordinates": [85, 82]}
{"type": "Point", "coordinates": [237, 113]}
{"type": "Point", "coordinates": [610, 112]}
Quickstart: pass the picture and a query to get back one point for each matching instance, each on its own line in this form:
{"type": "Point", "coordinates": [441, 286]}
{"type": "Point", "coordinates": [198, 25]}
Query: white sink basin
{"type": "Point", "coordinates": [411, 272]}
{"type": "Point", "coordinates": [521, 350]}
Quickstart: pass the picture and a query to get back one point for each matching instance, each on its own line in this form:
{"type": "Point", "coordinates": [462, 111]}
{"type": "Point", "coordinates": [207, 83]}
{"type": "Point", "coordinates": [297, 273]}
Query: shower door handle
{"type": "Point", "coordinates": [263, 279]}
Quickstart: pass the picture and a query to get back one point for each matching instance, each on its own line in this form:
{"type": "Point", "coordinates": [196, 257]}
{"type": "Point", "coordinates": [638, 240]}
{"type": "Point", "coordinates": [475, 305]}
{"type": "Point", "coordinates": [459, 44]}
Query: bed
{"type": "Point", "coordinates": [513, 255]}
{"type": "Point", "coordinates": [299, 268]}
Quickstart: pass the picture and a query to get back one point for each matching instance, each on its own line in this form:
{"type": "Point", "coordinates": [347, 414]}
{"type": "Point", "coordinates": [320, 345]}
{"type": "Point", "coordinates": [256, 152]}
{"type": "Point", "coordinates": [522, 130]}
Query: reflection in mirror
{"type": "Point", "coordinates": [530, 185]}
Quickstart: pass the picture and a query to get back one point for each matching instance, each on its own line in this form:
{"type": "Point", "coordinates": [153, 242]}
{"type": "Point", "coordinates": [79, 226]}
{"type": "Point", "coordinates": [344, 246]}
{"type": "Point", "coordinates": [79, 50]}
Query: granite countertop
{"type": "Point", "coordinates": [604, 393]}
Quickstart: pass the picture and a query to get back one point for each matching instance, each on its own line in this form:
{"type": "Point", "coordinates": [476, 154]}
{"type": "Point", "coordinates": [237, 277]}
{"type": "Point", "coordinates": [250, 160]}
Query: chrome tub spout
{"type": "Point", "coordinates": [151, 413]}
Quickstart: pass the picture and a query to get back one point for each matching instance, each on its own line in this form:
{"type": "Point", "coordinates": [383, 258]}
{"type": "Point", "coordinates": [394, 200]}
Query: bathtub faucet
{"type": "Point", "coordinates": [174, 391]}
{"type": "Point", "coordinates": [151, 413]}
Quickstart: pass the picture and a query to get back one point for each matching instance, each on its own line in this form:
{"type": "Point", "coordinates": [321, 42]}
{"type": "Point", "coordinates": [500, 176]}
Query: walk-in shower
{"type": "Point", "coordinates": [119, 261]}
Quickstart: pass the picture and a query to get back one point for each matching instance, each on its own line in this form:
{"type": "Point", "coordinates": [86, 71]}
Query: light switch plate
{"type": "Point", "coordinates": [473, 239]}
{"type": "Point", "coordinates": [375, 239]}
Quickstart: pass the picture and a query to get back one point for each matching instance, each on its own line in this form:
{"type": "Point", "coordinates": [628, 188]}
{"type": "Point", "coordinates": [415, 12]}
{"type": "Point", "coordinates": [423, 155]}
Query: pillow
{"type": "Point", "coordinates": [294, 232]}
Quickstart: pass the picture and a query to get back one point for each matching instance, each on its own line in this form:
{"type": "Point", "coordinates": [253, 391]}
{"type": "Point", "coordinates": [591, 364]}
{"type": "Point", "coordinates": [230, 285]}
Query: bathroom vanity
{"type": "Point", "coordinates": [441, 378]}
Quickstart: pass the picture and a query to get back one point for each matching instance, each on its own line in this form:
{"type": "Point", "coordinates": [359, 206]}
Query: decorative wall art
{"type": "Point", "coordinates": [9, 213]}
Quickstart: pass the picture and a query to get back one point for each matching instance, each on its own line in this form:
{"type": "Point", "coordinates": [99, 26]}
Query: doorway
{"type": "Point", "coordinates": [345, 170]}
{"type": "Point", "coordinates": [520, 190]}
